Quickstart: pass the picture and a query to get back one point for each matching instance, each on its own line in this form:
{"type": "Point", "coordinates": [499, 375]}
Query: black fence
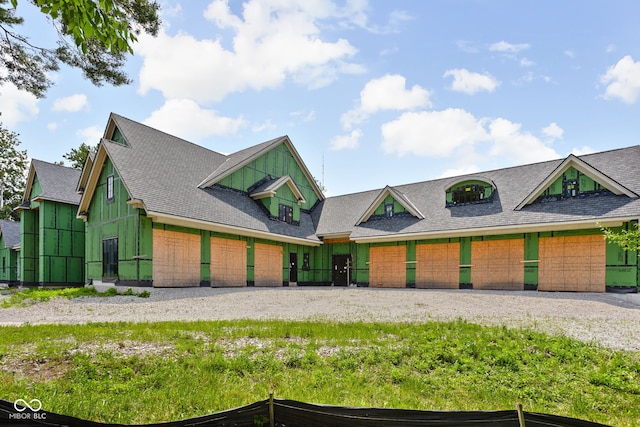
{"type": "Point", "coordinates": [290, 413]}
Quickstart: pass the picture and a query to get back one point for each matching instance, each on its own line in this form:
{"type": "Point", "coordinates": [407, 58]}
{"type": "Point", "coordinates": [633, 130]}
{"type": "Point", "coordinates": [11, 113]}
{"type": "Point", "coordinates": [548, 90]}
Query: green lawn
{"type": "Point", "coordinates": [152, 372]}
{"type": "Point", "coordinates": [24, 297]}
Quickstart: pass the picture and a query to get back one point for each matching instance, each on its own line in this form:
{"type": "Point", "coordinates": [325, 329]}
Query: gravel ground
{"type": "Point", "coordinates": [606, 319]}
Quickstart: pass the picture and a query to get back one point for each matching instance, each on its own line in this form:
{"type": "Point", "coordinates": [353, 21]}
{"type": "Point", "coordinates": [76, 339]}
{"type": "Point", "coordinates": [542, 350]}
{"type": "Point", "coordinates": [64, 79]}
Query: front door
{"type": "Point", "coordinates": [293, 267]}
{"type": "Point", "coordinates": [341, 270]}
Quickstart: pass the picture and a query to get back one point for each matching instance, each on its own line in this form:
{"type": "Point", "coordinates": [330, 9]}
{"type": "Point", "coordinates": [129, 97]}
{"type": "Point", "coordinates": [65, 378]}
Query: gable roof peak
{"type": "Point", "coordinates": [398, 196]}
{"type": "Point", "coordinates": [580, 163]}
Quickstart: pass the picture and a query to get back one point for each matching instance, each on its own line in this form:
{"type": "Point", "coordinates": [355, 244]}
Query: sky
{"type": "Point", "coordinates": [371, 93]}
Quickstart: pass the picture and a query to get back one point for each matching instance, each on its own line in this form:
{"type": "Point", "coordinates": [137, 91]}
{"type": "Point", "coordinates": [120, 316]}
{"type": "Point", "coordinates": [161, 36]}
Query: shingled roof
{"type": "Point", "coordinates": [58, 182]}
{"type": "Point", "coordinates": [164, 172]}
{"type": "Point", "coordinates": [10, 230]}
{"type": "Point", "coordinates": [340, 214]}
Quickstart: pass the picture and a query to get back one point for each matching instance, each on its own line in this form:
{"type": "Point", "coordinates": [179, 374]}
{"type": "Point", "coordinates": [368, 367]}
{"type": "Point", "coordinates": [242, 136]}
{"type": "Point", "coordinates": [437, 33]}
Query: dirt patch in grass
{"type": "Point", "coordinates": [124, 348]}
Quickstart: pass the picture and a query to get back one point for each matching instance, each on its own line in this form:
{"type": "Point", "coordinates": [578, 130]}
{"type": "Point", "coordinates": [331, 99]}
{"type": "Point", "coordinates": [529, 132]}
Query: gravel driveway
{"type": "Point", "coordinates": [607, 319]}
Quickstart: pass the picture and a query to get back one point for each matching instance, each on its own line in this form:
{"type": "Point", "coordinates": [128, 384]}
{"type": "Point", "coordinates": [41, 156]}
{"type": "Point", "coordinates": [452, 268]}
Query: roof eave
{"type": "Point", "coordinates": [506, 229]}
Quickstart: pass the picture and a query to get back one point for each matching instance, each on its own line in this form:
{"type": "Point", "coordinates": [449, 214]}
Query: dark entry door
{"type": "Point", "coordinates": [341, 273]}
{"type": "Point", "coordinates": [293, 267]}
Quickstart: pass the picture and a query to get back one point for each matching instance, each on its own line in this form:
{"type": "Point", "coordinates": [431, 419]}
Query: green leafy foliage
{"type": "Point", "coordinates": [78, 156]}
{"type": "Point", "coordinates": [13, 167]}
{"type": "Point", "coordinates": [94, 36]}
{"type": "Point", "coordinates": [629, 240]}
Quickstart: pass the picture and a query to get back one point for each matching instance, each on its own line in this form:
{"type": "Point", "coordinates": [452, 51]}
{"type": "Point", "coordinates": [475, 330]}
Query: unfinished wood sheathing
{"type": "Point", "coordinates": [437, 266]}
{"type": "Point", "coordinates": [176, 259]}
{"type": "Point", "coordinates": [228, 262]}
{"type": "Point", "coordinates": [267, 265]}
{"type": "Point", "coordinates": [388, 267]}
{"type": "Point", "coordinates": [497, 264]}
{"type": "Point", "coordinates": [572, 263]}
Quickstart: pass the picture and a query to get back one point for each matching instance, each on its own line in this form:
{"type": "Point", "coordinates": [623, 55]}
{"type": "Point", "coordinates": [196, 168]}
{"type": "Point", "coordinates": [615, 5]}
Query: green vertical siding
{"type": "Point", "coordinates": [622, 266]}
{"type": "Point", "coordinates": [277, 162]}
{"type": "Point", "coordinates": [61, 244]}
{"type": "Point", "coordinates": [8, 263]}
{"type": "Point", "coordinates": [118, 219]}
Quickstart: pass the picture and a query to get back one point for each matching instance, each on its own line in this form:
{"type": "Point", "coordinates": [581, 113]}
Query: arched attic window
{"type": "Point", "coordinates": [470, 191]}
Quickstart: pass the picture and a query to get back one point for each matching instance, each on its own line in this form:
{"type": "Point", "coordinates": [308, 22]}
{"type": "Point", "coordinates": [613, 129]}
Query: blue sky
{"type": "Point", "coordinates": [371, 93]}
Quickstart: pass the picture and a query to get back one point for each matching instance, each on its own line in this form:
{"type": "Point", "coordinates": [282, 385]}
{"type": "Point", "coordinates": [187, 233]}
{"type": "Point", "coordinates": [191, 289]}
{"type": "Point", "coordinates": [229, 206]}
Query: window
{"type": "Point", "coordinates": [467, 194]}
{"type": "Point", "coordinates": [285, 213]}
{"type": "Point", "coordinates": [4, 264]}
{"type": "Point", "coordinates": [110, 257]}
{"type": "Point", "coordinates": [388, 210]}
{"type": "Point", "coordinates": [110, 196]}
{"type": "Point", "coordinates": [570, 188]}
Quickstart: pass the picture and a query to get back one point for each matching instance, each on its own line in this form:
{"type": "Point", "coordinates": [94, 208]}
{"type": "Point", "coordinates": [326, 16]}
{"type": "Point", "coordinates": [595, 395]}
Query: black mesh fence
{"type": "Point", "coordinates": [290, 413]}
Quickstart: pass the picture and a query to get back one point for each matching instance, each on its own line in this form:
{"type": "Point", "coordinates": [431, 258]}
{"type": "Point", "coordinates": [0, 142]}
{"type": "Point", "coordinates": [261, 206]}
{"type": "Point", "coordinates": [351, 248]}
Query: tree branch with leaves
{"type": "Point", "coordinates": [93, 35]}
{"type": "Point", "coordinates": [628, 240]}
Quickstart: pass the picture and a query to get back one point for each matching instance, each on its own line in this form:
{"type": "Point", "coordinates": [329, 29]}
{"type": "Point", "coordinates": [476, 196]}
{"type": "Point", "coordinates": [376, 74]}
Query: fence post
{"type": "Point", "coordinates": [272, 420]}
{"type": "Point", "coordinates": [520, 414]}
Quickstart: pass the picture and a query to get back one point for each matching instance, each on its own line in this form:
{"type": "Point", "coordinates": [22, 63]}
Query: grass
{"type": "Point", "coordinates": [30, 296]}
{"type": "Point", "coordinates": [155, 372]}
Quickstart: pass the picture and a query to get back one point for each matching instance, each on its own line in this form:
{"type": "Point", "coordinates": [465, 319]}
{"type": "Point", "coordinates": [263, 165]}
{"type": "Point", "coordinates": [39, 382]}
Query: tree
{"type": "Point", "coordinates": [628, 240]}
{"type": "Point", "coordinates": [13, 168]}
{"type": "Point", "coordinates": [77, 156]}
{"type": "Point", "coordinates": [93, 35]}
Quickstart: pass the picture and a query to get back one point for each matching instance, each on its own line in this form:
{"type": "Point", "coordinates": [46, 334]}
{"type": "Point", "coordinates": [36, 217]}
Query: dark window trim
{"type": "Point", "coordinates": [388, 210]}
{"type": "Point", "coordinates": [110, 188]}
{"type": "Point", "coordinates": [110, 257]}
{"type": "Point", "coordinates": [285, 213]}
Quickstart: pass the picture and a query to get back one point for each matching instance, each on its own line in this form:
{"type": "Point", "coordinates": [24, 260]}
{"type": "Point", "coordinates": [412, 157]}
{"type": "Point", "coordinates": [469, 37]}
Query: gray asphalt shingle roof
{"type": "Point", "coordinates": [10, 230]}
{"type": "Point", "coordinates": [164, 172]}
{"type": "Point", "coordinates": [58, 182]}
{"type": "Point", "coordinates": [340, 214]}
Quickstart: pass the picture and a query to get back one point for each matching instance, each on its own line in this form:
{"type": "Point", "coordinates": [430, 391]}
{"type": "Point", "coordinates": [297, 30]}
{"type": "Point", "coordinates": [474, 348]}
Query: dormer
{"type": "Point", "coordinates": [389, 204]}
{"type": "Point", "coordinates": [280, 197]}
{"type": "Point", "coordinates": [470, 191]}
{"type": "Point", "coordinates": [574, 178]}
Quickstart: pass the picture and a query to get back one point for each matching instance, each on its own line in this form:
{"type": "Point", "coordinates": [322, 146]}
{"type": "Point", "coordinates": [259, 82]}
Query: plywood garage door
{"type": "Point", "coordinates": [438, 266]}
{"type": "Point", "coordinates": [572, 263]}
{"type": "Point", "coordinates": [388, 267]}
{"type": "Point", "coordinates": [228, 262]}
{"type": "Point", "coordinates": [176, 259]}
{"type": "Point", "coordinates": [267, 265]}
{"type": "Point", "coordinates": [497, 264]}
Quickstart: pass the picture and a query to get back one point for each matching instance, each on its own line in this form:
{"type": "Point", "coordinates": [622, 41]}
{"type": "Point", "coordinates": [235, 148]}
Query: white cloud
{"type": "Point", "coordinates": [464, 170]}
{"type": "Point", "coordinates": [186, 118]}
{"type": "Point", "coordinates": [16, 105]}
{"type": "Point", "coordinates": [569, 53]}
{"type": "Point", "coordinates": [91, 135]}
{"type": "Point", "coordinates": [503, 46]}
{"type": "Point", "coordinates": [581, 151]}
{"type": "Point", "coordinates": [524, 62]}
{"type": "Point", "coordinates": [273, 40]}
{"type": "Point", "coordinates": [470, 83]}
{"type": "Point", "coordinates": [456, 131]}
{"type": "Point", "coordinates": [342, 142]}
{"type": "Point", "coordinates": [73, 103]}
{"type": "Point", "coordinates": [508, 140]}
{"type": "Point", "coordinates": [553, 131]}
{"type": "Point", "coordinates": [432, 133]}
{"type": "Point", "coordinates": [52, 126]}
{"type": "Point", "coordinates": [386, 93]}
{"type": "Point", "coordinates": [266, 125]}
{"type": "Point", "coordinates": [623, 80]}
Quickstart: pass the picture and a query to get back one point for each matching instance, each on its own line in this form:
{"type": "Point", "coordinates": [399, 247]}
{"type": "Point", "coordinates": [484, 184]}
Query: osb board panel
{"type": "Point", "coordinates": [572, 263]}
{"type": "Point", "coordinates": [497, 264]}
{"type": "Point", "coordinates": [176, 259]}
{"type": "Point", "coordinates": [437, 266]}
{"type": "Point", "coordinates": [388, 267]}
{"type": "Point", "coordinates": [267, 265]}
{"type": "Point", "coordinates": [228, 262]}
